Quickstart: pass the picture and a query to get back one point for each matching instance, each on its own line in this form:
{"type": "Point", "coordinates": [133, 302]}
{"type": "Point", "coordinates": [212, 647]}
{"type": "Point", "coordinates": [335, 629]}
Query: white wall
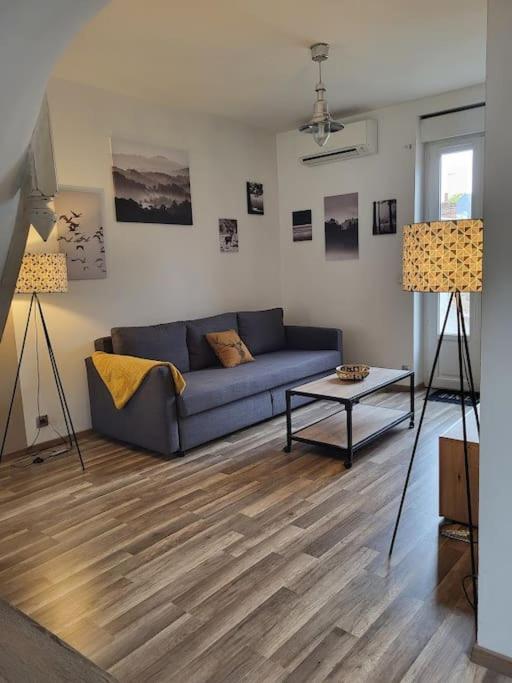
{"type": "Point", "coordinates": [8, 364]}
{"type": "Point", "coordinates": [156, 273]}
{"type": "Point", "coordinates": [364, 296]}
{"type": "Point", "coordinates": [32, 35]}
{"type": "Point", "coordinates": [495, 623]}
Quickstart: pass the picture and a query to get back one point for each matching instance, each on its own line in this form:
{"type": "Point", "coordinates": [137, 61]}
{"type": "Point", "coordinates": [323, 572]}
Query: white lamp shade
{"type": "Point", "coordinates": [43, 274]}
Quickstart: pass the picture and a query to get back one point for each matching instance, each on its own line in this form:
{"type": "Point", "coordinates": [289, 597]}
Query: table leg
{"type": "Point", "coordinates": [288, 446]}
{"type": "Point", "coordinates": [411, 423]}
{"type": "Point", "coordinates": [350, 453]}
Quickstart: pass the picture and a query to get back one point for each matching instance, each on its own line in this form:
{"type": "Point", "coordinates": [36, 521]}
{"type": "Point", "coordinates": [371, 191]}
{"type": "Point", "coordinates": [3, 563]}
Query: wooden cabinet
{"type": "Point", "coordinates": [452, 477]}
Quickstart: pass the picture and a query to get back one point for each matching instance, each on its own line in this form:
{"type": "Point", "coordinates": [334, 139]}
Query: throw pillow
{"type": "Point", "coordinates": [229, 348]}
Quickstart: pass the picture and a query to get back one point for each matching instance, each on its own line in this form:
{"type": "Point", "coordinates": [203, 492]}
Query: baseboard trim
{"type": "Point", "coordinates": [43, 445]}
{"type": "Point", "coordinates": [494, 661]}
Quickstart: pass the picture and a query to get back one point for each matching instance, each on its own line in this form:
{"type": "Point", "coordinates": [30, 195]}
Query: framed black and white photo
{"type": "Point", "coordinates": [302, 226]}
{"type": "Point", "coordinates": [255, 198]}
{"type": "Point", "coordinates": [341, 215]}
{"type": "Point", "coordinates": [151, 184]}
{"type": "Point", "coordinates": [80, 232]}
{"type": "Point", "coordinates": [384, 217]}
{"type": "Point", "coordinates": [228, 235]}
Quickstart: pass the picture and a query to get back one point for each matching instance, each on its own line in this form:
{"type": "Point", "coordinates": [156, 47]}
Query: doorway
{"type": "Point", "coordinates": [453, 190]}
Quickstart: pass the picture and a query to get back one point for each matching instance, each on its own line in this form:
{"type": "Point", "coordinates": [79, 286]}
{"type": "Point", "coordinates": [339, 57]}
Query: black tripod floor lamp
{"type": "Point", "coordinates": [446, 256]}
{"type": "Point", "coordinates": [42, 273]}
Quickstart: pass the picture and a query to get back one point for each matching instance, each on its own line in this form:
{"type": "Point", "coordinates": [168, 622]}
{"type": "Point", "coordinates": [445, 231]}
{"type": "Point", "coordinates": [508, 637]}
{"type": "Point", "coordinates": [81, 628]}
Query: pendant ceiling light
{"type": "Point", "coordinates": [321, 124]}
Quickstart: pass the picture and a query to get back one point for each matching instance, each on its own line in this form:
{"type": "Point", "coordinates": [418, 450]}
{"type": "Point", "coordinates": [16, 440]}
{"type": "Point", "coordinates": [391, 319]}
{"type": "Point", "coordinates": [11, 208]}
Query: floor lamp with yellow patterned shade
{"type": "Point", "coordinates": [446, 256]}
{"type": "Point", "coordinates": [43, 274]}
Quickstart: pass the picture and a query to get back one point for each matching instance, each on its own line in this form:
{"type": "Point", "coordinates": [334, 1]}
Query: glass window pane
{"type": "Point", "coordinates": [451, 324]}
{"type": "Point", "coordinates": [456, 186]}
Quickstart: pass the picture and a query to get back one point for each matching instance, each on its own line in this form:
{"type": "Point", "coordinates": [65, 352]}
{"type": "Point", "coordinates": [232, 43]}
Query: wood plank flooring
{"type": "Point", "coordinates": [242, 563]}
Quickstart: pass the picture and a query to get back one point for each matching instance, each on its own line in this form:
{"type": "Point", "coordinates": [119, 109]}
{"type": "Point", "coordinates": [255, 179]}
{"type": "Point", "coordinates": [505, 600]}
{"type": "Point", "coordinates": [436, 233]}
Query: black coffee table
{"type": "Point", "coordinates": [356, 424]}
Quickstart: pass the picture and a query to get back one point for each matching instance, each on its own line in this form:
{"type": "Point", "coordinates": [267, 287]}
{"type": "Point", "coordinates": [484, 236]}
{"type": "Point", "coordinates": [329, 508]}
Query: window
{"type": "Point", "coordinates": [455, 202]}
{"type": "Point", "coordinates": [456, 186]}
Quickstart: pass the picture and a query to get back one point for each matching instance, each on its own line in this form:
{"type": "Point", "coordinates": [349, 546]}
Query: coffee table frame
{"type": "Point", "coordinates": [348, 405]}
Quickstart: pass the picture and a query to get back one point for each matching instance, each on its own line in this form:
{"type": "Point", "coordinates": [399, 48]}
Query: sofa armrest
{"type": "Point", "coordinates": [301, 338]}
{"type": "Point", "coordinates": [149, 419]}
{"type": "Point", "coordinates": [104, 344]}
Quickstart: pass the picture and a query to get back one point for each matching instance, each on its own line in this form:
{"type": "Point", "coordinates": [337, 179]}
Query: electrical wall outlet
{"type": "Point", "coordinates": [41, 421]}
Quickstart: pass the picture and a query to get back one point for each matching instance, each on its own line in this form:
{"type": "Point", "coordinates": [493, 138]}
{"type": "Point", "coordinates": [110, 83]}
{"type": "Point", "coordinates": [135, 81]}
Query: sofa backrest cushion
{"type": "Point", "coordinates": [200, 352]}
{"type": "Point", "coordinates": [167, 342]}
{"type": "Point", "coordinates": [262, 331]}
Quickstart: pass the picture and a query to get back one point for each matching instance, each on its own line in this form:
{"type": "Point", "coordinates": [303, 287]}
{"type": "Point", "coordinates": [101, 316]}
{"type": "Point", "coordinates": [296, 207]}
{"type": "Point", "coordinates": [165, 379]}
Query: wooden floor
{"type": "Point", "coordinates": [241, 563]}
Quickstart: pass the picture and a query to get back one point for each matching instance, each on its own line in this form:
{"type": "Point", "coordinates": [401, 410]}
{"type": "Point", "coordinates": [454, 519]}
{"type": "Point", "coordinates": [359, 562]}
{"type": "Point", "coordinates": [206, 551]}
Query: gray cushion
{"type": "Point", "coordinates": [214, 387]}
{"type": "Point", "coordinates": [200, 352]}
{"type": "Point", "coordinates": [262, 331]}
{"type": "Point", "coordinates": [166, 342]}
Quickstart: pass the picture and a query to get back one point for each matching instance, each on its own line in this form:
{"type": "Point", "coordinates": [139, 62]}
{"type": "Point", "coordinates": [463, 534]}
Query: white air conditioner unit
{"type": "Point", "coordinates": [357, 139]}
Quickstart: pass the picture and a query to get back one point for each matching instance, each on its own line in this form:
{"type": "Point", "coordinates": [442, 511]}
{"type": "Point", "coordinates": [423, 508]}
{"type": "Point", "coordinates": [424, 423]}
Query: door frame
{"type": "Point", "coordinates": [443, 378]}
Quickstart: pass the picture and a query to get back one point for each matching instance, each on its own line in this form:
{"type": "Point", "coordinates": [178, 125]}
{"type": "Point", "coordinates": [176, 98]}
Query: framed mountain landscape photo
{"type": "Point", "coordinates": [151, 184]}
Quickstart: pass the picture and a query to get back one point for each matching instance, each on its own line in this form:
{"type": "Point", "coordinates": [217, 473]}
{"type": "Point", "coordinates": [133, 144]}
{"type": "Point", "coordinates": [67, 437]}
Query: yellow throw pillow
{"type": "Point", "coordinates": [229, 348]}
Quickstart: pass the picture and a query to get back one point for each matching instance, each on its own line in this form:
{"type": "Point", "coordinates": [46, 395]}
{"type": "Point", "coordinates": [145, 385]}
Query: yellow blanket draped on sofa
{"type": "Point", "coordinates": [123, 375]}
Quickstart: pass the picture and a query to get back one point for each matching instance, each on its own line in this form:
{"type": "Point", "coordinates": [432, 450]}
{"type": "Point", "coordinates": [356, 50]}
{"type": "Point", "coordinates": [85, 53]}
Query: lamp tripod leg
{"type": "Point", "coordinates": [60, 392]}
{"type": "Point", "coordinates": [460, 317]}
{"type": "Point", "coordinates": [60, 389]}
{"type": "Point", "coordinates": [17, 378]}
{"type": "Point", "coordinates": [420, 424]}
{"type": "Point", "coordinates": [58, 383]}
{"type": "Point", "coordinates": [471, 382]}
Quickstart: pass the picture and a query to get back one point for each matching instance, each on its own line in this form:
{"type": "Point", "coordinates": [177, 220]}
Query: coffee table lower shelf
{"type": "Point", "coordinates": [367, 423]}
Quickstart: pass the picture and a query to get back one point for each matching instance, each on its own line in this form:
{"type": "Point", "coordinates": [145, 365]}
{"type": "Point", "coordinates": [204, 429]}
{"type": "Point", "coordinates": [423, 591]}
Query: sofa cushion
{"type": "Point", "coordinates": [200, 352]}
{"type": "Point", "coordinates": [214, 387]}
{"type": "Point", "coordinates": [262, 331]}
{"type": "Point", "coordinates": [167, 342]}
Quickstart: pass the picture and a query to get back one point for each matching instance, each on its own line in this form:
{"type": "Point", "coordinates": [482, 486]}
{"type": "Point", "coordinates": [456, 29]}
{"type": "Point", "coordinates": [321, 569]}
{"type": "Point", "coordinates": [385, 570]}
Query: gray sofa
{"type": "Point", "coordinates": [217, 400]}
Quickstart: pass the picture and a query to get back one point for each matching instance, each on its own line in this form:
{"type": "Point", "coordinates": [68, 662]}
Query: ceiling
{"type": "Point", "coordinates": [249, 59]}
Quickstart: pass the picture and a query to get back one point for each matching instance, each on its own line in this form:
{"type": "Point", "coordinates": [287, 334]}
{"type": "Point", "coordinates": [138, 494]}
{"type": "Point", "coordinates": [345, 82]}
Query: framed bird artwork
{"type": "Point", "coordinates": [80, 232]}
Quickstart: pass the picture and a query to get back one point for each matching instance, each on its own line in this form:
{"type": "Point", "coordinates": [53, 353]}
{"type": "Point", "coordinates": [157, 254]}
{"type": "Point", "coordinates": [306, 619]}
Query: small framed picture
{"type": "Point", "coordinates": [341, 217]}
{"type": "Point", "coordinates": [255, 198]}
{"type": "Point", "coordinates": [228, 235]}
{"type": "Point", "coordinates": [384, 217]}
{"type": "Point", "coordinates": [302, 226]}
